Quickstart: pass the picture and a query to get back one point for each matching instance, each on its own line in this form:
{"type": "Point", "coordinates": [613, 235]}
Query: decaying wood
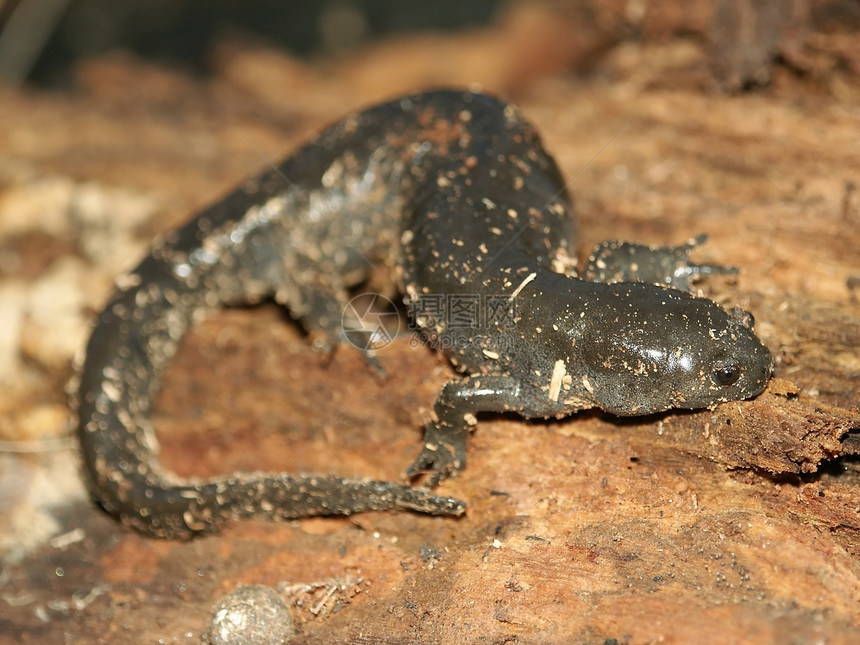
{"type": "Point", "coordinates": [738, 524]}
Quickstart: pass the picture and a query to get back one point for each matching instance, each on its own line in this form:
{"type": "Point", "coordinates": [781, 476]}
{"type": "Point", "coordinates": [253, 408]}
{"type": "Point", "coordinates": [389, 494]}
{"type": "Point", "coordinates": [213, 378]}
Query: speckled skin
{"type": "Point", "coordinates": [455, 191]}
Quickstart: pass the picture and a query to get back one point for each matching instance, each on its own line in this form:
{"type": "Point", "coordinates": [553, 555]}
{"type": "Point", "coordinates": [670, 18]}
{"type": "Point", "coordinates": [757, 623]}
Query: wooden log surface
{"type": "Point", "coordinates": [738, 524]}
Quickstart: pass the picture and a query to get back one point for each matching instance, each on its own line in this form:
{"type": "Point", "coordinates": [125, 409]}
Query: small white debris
{"type": "Point", "coordinates": [559, 370]}
{"type": "Point", "coordinates": [587, 384]}
{"type": "Point", "coordinates": [529, 278]}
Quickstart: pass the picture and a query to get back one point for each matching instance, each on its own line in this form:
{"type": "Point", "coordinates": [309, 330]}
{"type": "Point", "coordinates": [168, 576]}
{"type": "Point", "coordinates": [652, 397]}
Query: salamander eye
{"type": "Point", "coordinates": [726, 375]}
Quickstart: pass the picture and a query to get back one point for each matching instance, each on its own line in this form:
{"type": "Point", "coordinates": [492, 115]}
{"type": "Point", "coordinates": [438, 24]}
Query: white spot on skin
{"type": "Point", "coordinates": [657, 355]}
{"type": "Point", "coordinates": [205, 254]}
{"type": "Point", "coordinates": [128, 281]}
{"type": "Point", "coordinates": [111, 391]}
{"type": "Point", "coordinates": [191, 522]}
{"type": "Point", "coordinates": [333, 174]}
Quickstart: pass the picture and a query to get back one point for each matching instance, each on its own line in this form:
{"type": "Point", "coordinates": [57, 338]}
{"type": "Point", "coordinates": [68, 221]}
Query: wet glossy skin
{"type": "Point", "coordinates": [456, 192]}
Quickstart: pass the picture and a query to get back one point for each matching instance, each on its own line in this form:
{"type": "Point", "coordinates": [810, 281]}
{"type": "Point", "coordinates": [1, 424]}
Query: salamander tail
{"type": "Point", "coordinates": [184, 511]}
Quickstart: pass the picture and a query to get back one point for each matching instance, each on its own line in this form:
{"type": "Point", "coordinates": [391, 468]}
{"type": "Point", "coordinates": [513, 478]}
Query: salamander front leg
{"type": "Point", "coordinates": [444, 451]}
{"type": "Point", "coordinates": [670, 265]}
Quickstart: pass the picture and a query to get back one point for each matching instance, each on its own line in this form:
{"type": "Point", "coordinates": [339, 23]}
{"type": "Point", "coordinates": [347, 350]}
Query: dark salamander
{"type": "Point", "coordinates": [455, 192]}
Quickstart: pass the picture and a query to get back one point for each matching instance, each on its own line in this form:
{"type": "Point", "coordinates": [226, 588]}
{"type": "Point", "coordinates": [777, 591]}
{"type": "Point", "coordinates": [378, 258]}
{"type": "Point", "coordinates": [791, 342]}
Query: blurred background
{"type": "Point", "coordinates": [42, 40]}
{"type": "Point", "coordinates": [738, 118]}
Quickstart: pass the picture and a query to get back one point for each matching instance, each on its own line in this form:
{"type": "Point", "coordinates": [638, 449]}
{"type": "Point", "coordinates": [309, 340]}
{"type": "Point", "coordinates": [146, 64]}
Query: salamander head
{"type": "Point", "coordinates": [649, 349]}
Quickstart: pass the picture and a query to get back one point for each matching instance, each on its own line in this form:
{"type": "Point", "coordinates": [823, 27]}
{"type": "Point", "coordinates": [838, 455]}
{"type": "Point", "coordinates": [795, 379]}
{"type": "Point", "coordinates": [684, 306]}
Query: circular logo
{"type": "Point", "coordinates": [370, 321]}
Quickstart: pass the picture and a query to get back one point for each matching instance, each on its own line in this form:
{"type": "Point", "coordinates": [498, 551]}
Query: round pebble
{"type": "Point", "coordinates": [250, 614]}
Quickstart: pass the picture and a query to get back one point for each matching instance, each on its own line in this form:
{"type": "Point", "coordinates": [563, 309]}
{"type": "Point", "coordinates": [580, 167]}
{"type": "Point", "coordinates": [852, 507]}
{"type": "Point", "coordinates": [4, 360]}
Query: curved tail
{"type": "Point", "coordinates": [134, 338]}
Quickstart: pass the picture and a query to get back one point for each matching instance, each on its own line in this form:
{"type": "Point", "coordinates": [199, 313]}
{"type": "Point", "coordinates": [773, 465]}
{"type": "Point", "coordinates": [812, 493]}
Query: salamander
{"type": "Point", "coordinates": [455, 194]}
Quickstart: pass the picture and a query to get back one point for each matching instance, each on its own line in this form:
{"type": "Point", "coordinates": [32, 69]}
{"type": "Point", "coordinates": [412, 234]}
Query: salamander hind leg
{"type": "Point", "coordinates": [323, 306]}
{"type": "Point", "coordinates": [669, 265]}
